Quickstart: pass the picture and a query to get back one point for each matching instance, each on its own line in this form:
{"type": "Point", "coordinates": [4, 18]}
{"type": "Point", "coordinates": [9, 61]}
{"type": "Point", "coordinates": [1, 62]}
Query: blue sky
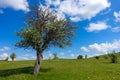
{"type": "Point", "coordinates": [98, 22]}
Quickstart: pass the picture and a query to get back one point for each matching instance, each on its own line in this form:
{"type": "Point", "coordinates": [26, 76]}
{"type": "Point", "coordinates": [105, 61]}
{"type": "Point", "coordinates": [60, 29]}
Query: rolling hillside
{"type": "Point", "coordinates": [86, 69]}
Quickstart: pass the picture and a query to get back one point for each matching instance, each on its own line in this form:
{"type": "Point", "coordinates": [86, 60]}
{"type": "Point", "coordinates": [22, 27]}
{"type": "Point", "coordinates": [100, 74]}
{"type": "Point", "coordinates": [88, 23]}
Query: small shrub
{"type": "Point", "coordinates": [96, 57]}
{"type": "Point", "coordinates": [79, 57]}
{"type": "Point", "coordinates": [113, 58]}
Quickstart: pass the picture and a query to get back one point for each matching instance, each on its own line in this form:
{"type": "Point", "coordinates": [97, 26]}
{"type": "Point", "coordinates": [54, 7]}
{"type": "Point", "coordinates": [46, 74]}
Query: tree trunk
{"type": "Point", "coordinates": [37, 64]}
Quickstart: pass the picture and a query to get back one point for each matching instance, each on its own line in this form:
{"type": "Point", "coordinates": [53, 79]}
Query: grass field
{"type": "Point", "coordinates": [86, 69]}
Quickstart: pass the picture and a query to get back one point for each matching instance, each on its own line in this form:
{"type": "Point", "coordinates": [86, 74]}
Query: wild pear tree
{"type": "Point", "coordinates": [44, 29]}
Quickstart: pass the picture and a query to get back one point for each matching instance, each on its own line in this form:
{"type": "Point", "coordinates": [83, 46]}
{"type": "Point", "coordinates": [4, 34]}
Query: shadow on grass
{"type": "Point", "coordinates": [24, 70]}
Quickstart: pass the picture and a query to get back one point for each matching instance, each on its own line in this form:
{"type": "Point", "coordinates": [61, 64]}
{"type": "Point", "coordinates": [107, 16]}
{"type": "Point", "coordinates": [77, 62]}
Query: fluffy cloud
{"type": "Point", "coordinates": [4, 48]}
{"type": "Point", "coordinates": [53, 2]}
{"type": "Point", "coordinates": [3, 56]}
{"type": "Point", "coordinates": [26, 57]}
{"type": "Point", "coordinates": [117, 16]}
{"type": "Point", "coordinates": [84, 49]}
{"type": "Point", "coordinates": [104, 47]}
{"type": "Point", "coordinates": [72, 55]}
{"type": "Point", "coordinates": [15, 4]}
{"type": "Point", "coordinates": [75, 19]}
{"type": "Point", "coordinates": [79, 10]}
{"type": "Point", "coordinates": [97, 26]}
{"type": "Point", "coordinates": [115, 29]}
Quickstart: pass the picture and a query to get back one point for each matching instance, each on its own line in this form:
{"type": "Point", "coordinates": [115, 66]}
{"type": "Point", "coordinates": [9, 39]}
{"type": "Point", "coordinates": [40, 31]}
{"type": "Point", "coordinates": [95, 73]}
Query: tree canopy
{"type": "Point", "coordinates": [44, 29]}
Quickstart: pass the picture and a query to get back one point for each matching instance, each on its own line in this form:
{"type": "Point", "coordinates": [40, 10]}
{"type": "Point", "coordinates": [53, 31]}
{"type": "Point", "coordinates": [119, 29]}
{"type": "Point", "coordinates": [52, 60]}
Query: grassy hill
{"type": "Point", "coordinates": [86, 69]}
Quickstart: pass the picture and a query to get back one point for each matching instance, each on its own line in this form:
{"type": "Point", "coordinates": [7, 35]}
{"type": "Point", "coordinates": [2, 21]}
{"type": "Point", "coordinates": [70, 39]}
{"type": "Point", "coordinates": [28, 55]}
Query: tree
{"type": "Point", "coordinates": [113, 57]}
{"type": "Point", "coordinates": [42, 30]}
{"type": "Point", "coordinates": [55, 56]}
{"type": "Point", "coordinates": [79, 57]}
{"type": "Point", "coordinates": [13, 56]}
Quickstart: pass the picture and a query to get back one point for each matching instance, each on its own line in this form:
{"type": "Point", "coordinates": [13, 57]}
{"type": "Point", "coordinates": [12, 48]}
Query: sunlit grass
{"type": "Point", "coordinates": [86, 69]}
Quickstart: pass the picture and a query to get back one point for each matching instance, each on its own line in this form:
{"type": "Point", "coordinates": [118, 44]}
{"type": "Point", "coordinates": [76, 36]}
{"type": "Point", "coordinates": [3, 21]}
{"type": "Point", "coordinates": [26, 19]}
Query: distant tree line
{"type": "Point", "coordinates": [81, 57]}
{"type": "Point", "coordinates": [112, 56]}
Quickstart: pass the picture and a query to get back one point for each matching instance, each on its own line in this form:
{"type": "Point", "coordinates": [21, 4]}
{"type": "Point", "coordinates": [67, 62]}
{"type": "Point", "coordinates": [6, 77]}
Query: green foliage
{"type": "Point", "coordinates": [113, 57]}
{"type": "Point", "coordinates": [13, 56]}
{"type": "Point", "coordinates": [96, 57]}
{"type": "Point", "coordinates": [79, 57]}
{"type": "Point", "coordinates": [55, 56]}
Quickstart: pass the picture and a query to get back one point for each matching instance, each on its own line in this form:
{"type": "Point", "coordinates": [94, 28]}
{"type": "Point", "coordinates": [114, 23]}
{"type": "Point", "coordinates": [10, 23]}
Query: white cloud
{"type": "Point", "coordinates": [53, 2]}
{"type": "Point", "coordinates": [104, 47]}
{"type": "Point", "coordinates": [72, 55]}
{"type": "Point", "coordinates": [84, 49]}
{"type": "Point", "coordinates": [115, 29]}
{"type": "Point", "coordinates": [4, 48]}
{"type": "Point", "coordinates": [97, 26]}
{"type": "Point", "coordinates": [3, 56]}
{"type": "Point", "coordinates": [79, 10]}
{"type": "Point", "coordinates": [62, 53]}
{"type": "Point", "coordinates": [50, 55]}
{"type": "Point", "coordinates": [60, 15]}
{"type": "Point", "coordinates": [117, 16]}
{"type": "Point", "coordinates": [75, 19]}
{"type": "Point", "coordinates": [15, 4]}
{"type": "Point", "coordinates": [27, 56]}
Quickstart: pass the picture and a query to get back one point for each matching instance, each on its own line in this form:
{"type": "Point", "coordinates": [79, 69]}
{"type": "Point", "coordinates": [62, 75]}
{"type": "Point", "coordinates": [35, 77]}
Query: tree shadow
{"type": "Point", "coordinates": [24, 70]}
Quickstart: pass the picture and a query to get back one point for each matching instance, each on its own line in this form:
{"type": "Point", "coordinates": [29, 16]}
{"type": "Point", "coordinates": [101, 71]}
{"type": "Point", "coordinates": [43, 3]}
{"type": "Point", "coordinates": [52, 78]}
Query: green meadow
{"type": "Point", "coordinates": [66, 69]}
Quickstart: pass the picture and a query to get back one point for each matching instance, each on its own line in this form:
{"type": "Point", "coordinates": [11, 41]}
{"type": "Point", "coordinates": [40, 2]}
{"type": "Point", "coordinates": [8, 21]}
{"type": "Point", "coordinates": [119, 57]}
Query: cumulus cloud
{"type": "Point", "coordinates": [26, 57]}
{"type": "Point", "coordinates": [5, 48]}
{"type": "Point", "coordinates": [79, 10]}
{"type": "Point", "coordinates": [53, 2]}
{"type": "Point", "coordinates": [115, 29]}
{"type": "Point", "coordinates": [117, 16]}
{"type": "Point", "coordinates": [72, 55]}
{"type": "Point", "coordinates": [15, 4]}
{"type": "Point", "coordinates": [60, 15]}
{"type": "Point", "coordinates": [50, 55]}
{"type": "Point", "coordinates": [75, 19]}
{"type": "Point", "coordinates": [97, 26]}
{"type": "Point", "coordinates": [84, 49]}
{"type": "Point", "coordinates": [104, 47]}
{"type": "Point", "coordinates": [3, 56]}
